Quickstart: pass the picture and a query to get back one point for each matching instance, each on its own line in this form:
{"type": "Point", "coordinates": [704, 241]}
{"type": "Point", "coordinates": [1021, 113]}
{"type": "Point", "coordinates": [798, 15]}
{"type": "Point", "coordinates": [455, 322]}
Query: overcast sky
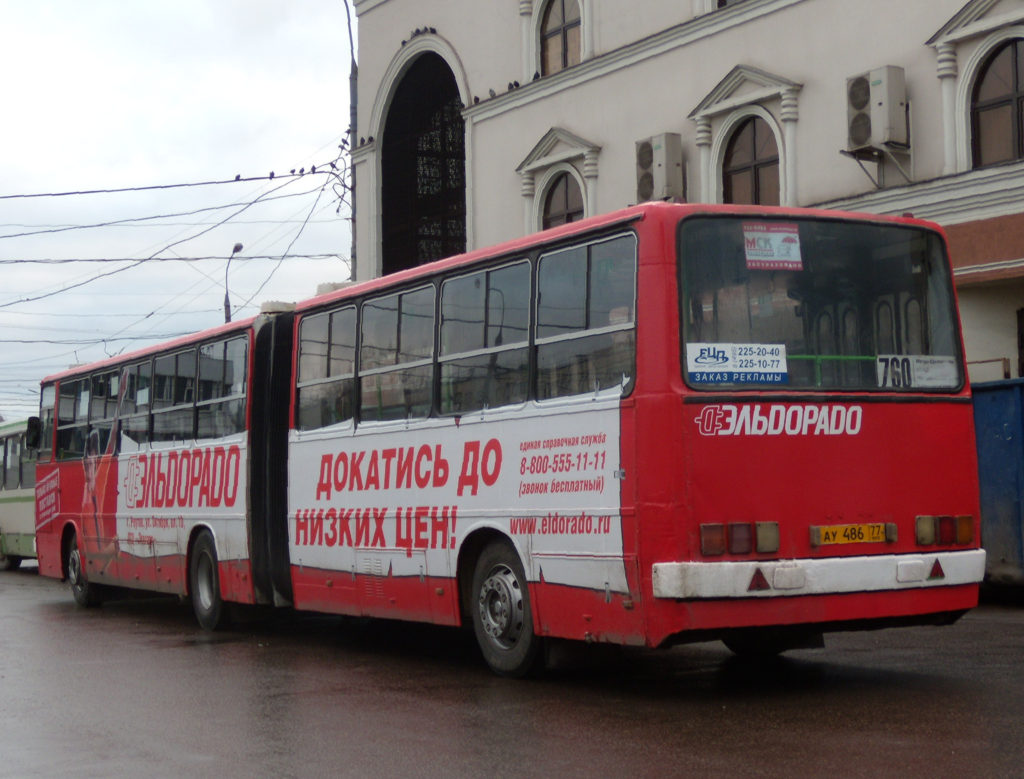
{"type": "Point", "coordinates": [113, 94]}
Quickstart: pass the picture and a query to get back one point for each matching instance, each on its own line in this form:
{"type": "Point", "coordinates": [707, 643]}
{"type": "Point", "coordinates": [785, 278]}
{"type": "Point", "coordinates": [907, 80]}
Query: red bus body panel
{"type": "Point", "coordinates": [119, 545]}
{"type": "Point", "coordinates": [679, 458]}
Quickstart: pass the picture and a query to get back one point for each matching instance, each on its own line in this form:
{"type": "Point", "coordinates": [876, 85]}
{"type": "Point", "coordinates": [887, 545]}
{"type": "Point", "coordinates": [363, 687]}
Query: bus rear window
{"type": "Point", "coordinates": [816, 304]}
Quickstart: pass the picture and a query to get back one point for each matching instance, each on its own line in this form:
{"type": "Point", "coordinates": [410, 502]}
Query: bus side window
{"type": "Point", "coordinates": [174, 406]}
{"type": "Point", "coordinates": [103, 406]}
{"type": "Point", "coordinates": [134, 425]}
{"type": "Point", "coordinates": [72, 419]}
{"type": "Point", "coordinates": [326, 382]}
{"type": "Point", "coordinates": [12, 462]}
{"type": "Point", "coordinates": [396, 356]}
{"type": "Point", "coordinates": [47, 400]}
{"type": "Point", "coordinates": [585, 318]}
{"type": "Point", "coordinates": [220, 411]}
{"type": "Point", "coordinates": [28, 466]}
{"type": "Point", "coordinates": [484, 331]}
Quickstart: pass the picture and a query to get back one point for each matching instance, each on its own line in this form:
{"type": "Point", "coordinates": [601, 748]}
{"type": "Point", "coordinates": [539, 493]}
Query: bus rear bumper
{"type": "Point", "coordinates": [824, 576]}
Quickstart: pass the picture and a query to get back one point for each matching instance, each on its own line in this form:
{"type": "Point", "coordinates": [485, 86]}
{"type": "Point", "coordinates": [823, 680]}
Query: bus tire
{"type": "Point", "coordinates": [9, 562]}
{"type": "Point", "coordinates": [502, 616]}
{"type": "Point", "coordinates": [204, 582]}
{"type": "Point", "coordinates": [85, 593]}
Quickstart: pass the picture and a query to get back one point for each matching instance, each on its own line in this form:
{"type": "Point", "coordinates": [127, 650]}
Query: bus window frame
{"type": "Point", "coordinates": [624, 389]}
{"type": "Point", "coordinates": [892, 300]}
{"type": "Point", "coordinates": [397, 367]}
{"type": "Point", "coordinates": [444, 358]}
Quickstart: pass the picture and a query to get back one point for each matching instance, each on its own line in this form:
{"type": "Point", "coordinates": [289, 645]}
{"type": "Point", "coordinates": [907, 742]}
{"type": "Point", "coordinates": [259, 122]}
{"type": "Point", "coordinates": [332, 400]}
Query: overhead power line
{"type": "Point", "coordinates": [136, 263]}
{"type": "Point", "coordinates": [329, 168]}
{"type": "Point", "coordinates": [50, 229]}
{"type": "Point", "coordinates": [65, 261]}
{"type": "Point", "coordinates": [91, 341]}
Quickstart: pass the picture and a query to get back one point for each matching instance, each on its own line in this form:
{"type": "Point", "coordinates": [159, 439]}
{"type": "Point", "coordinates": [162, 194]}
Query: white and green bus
{"type": "Point", "coordinates": [17, 497]}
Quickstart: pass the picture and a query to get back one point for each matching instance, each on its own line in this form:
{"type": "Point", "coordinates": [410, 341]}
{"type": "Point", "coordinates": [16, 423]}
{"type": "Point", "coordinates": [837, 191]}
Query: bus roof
{"type": "Point", "coordinates": [509, 247]}
{"type": "Point", "coordinates": [659, 210]}
{"type": "Point", "coordinates": [656, 209]}
{"type": "Point", "coordinates": [201, 335]}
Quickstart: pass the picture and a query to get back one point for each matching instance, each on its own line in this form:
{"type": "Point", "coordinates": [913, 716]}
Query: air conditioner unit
{"type": "Point", "coordinates": [876, 109]}
{"type": "Point", "coordinates": [659, 168]}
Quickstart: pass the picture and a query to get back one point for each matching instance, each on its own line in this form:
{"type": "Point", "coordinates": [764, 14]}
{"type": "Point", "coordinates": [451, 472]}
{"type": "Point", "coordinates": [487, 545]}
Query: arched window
{"type": "Point", "coordinates": [564, 202]}
{"type": "Point", "coordinates": [750, 171]}
{"type": "Point", "coordinates": [997, 106]}
{"type": "Point", "coordinates": [423, 168]}
{"type": "Point", "coordinates": [560, 41]}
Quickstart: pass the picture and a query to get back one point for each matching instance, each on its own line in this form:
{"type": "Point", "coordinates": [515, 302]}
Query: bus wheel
{"type": "Point", "coordinates": [502, 617]}
{"type": "Point", "coordinates": [9, 562]}
{"type": "Point", "coordinates": [82, 590]}
{"type": "Point", "coordinates": [204, 582]}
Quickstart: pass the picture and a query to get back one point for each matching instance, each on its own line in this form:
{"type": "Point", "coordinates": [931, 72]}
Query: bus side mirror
{"type": "Point", "coordinates": [33, 433]}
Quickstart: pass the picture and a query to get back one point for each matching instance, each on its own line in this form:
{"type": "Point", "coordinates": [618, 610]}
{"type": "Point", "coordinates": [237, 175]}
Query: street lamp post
{"type": "Point", "coordinates": [227, 303]}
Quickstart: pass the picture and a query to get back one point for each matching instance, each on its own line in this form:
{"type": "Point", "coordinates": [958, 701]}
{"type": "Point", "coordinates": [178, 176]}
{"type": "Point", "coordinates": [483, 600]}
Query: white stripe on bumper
{"type": "Point", "coordinates": [818, 576]}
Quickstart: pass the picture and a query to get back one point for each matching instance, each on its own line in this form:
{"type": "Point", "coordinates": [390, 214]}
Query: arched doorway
{"type": "Point", "coordinates": [423, 169]}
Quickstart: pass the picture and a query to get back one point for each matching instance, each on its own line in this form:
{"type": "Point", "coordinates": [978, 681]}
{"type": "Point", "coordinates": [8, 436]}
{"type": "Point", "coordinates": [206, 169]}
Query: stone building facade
{"type": "Point", "coordinates": [483, 120]}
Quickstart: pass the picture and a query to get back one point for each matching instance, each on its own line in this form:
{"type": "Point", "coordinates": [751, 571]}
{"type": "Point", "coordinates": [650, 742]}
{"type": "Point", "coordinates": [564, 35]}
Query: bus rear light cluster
{"type": "Point", "coordinates": [739, 538]}
{"type": "Point", "coordinates": [945, 530]}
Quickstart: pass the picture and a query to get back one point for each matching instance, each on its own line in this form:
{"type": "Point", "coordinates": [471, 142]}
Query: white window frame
{"type": "Point", "coordinates": [559, 151]}
{"type": "Point", "coordinates": [747, 92]}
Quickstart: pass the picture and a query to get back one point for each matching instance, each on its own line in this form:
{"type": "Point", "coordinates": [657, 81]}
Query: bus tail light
{"type": "Point", "coordinates": [965, 529]}
{"type": "Point", "coordinates": [945, 530]}
{"type": "Point", "coordinates": [712, 539]}
{"type": "Point", "coordinates": [767, 537]}
{"type": "Point", "coordinates": [739, 538]}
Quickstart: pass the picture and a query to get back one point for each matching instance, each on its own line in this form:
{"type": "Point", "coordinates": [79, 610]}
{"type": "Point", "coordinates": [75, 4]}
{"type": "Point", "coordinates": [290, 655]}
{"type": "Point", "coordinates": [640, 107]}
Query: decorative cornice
{"type": "Point", "coordinates": [668, 40]}
{"type": "Point", "coordinates": [363, 152]}
{"type": "Point", "coordinates": [964, 197]}
{"type": "Point", "coordinates": [362, 6]}
{"type": "Point", "coordinates": [986, 271]}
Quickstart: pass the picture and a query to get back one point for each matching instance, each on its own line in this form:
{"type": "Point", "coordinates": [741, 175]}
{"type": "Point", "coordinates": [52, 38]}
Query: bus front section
{"type": "Point", "coordinates": [825, 431]}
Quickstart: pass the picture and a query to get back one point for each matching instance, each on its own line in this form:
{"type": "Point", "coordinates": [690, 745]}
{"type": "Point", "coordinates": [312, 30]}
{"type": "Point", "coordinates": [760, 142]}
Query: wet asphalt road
{"type": "Point", "coordinates": [136, 689]}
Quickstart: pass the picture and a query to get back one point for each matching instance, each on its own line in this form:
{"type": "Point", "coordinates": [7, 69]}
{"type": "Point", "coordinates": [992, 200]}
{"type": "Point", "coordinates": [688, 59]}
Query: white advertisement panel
{"type": "Point", "coordinates": [402, 497]}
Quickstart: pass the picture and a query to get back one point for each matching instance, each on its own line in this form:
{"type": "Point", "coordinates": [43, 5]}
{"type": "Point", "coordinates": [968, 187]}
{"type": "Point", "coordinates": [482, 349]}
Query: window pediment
{"type": "Point", "coordinates": [557, 145]}
{"type": "Point", "coordinates": [977, 18]}
{"type": "Point", "coordinates": [743, 85]}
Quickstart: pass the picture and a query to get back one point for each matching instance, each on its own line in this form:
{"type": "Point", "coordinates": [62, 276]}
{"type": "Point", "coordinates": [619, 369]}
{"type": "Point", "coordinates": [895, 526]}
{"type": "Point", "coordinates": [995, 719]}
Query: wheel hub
{"type": "Point", "coordinates": [501, 607]}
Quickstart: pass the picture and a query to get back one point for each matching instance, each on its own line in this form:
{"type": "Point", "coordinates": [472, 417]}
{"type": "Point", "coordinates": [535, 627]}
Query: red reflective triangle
{"type": "Point", "coordinates": [937, 572]}
{"type": "Point", "coordinates": [758, 582]}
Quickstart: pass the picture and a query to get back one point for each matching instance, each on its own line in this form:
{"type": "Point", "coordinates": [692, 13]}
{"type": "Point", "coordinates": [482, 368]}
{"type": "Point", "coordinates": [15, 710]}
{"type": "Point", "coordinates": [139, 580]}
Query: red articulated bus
{"type": "Point", "coordinates": [669, 423]}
